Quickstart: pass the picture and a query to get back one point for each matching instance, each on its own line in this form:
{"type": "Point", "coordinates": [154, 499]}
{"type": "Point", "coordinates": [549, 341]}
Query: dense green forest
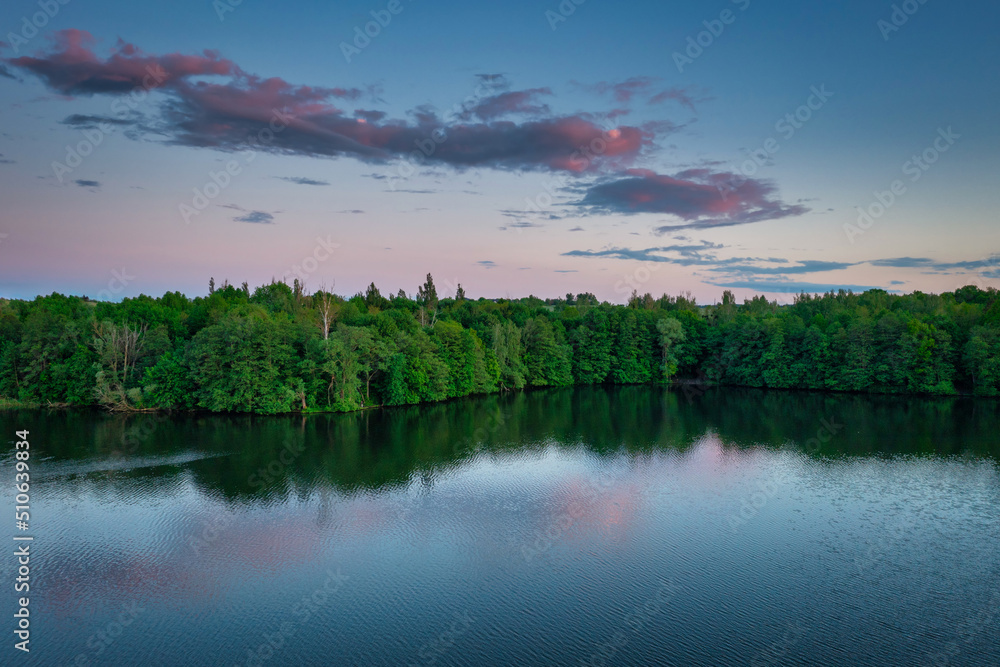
{"type": "Point", "coordinates": [278, 349]}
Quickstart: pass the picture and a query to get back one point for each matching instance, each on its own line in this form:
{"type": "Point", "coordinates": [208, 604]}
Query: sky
{"type": "Point", "coordinates": [515, 148]}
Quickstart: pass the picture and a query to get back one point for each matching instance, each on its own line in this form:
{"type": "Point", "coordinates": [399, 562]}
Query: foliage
{"type": "Point", "coordinates": [277, 349]}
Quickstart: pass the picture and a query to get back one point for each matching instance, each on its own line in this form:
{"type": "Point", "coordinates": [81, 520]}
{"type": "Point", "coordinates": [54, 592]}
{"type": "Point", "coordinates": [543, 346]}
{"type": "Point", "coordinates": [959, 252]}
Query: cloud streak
{"type": "Point", "coordinates": [792, 287]}
{"type": "Point", "coordinates": [302, 180]}
{"type": "Point", "coordinates": [760, 272]}
{"type": "Point", "coordinates": [256, 217]}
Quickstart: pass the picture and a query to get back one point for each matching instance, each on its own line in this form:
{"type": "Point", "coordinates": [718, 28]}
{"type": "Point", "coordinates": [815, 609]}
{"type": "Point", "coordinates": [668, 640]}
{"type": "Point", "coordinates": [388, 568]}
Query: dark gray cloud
{"type": "Point", "coordinates": [253, 217]}
{"type": "Point", "coordinates": [807, 266]}
{"type": "Point", "coordinates": [87, 122]}
{"type": "Point", "coordinates": [932, 266]}
{"type": "Point", "coordinates": [256, 217]}
{"type": "Point", "coordinates": [647, 88]}
{"type": "Point", "coordinates": [792, 287]}
{"type": "Point", "coordinates": [903, 262]}
{"type": "Point", "coordinates": [509, 103]}
{"type": "Point", "coordinates": [760, 272]}
{"type": "Point", "coordinates": [701, 198]}
{"type": "Point", "coordinates": [302, 180]}
{"type": "Point", "coordinates": [87, 184]}
{"type": "Point", "coordinates": [696, 254]}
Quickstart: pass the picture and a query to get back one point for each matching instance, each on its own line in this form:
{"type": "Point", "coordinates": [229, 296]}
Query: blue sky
{"type": "Point", "coordinates": [596, 150]}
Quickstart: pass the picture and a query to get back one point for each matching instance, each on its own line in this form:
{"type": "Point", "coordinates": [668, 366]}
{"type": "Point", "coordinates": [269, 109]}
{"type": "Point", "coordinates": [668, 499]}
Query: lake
{"type": "Point", "coordinates": [588, 526]}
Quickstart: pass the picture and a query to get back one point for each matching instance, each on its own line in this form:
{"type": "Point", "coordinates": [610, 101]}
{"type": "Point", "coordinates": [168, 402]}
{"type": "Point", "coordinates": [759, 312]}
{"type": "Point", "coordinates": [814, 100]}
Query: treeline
{"type": "Point", "coordinates": [278, 349]}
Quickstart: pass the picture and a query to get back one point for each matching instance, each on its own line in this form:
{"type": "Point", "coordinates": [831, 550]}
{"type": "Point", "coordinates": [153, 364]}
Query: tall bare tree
{"type": "Point", "coordinates": [118, 347]}
{"type": "Point", "coordinates": [327, 308]}
{"type": "Point", "coordinates": [427, 297]}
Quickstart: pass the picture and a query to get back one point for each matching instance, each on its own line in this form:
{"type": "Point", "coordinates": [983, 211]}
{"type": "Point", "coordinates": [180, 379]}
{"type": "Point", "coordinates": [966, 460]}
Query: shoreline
{"type": "Point", "coordinates": [682, 384]}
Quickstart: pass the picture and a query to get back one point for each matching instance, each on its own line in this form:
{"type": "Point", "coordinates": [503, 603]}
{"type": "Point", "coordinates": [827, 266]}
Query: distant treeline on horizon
{"type": "Point", "coordinates": [278, 349]}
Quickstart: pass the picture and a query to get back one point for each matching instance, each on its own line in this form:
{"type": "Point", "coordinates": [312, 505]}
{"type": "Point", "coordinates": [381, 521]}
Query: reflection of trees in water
{"type": "Point", "coordinates": [390, 448]}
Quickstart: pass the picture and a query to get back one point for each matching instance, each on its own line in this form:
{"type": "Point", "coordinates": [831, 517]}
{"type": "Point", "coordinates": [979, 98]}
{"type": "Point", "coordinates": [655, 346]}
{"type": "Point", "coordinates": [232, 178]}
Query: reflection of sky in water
{"type": "Point", "coordinates": [601, 531]}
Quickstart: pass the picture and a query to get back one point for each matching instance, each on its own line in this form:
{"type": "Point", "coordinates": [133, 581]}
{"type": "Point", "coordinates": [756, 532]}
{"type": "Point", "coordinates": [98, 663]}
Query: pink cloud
{"type": "Point", "coordinates": [699, 197]}
{"type": "Point", "coordinates": [72, 68]}
{"type": "Point", "coordinates": [223, 114]}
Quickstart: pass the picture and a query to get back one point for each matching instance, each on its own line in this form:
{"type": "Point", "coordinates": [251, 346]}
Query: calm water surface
{"type": "Point", "coordinates": [631, 526]}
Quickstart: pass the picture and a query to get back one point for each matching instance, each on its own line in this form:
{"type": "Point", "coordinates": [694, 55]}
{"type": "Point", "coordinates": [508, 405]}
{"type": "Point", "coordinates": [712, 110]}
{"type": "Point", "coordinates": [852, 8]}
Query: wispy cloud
{"type": "Point", "coordinates": [792, 287]}
{"type": "Point", "coordinates": [514, 102]}
{"type": "Point", "coordinates": [934, 266]}
{"type": "Point", "coordinates": [253, 217]}
{"type": "Point", "coordinates": [256, 217]}
{"type": "Point", "coordinates": [302, 180]}
{"type": "Point", "coordinates": [771, 271]}
{"type": "Point", "coordinates": [695, 254]}
{"type": "Point", "coordinates": [87, 121]}
{"type": "Point", "coordinates": [647, 88]}
{"type": "Point", "coordinates": [808, 266]}
{"type": "Point", "coordinates": [521, 224]}
{"type": "Point", "coordinates": [87, 184]}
